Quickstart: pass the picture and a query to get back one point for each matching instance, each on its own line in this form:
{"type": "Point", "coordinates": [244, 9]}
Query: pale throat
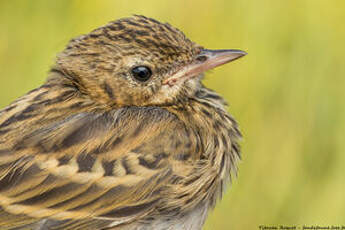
{"type": "Point", "coordinates": [183, 89]}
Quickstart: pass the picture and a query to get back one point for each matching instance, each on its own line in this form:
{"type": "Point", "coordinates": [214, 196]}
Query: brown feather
{"type": "Point", "coordinates": [92, 149]}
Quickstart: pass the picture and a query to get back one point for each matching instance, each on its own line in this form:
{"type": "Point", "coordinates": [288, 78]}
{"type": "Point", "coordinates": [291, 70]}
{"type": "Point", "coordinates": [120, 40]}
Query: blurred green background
{"type": "Point", "coordinates": [287, 94]}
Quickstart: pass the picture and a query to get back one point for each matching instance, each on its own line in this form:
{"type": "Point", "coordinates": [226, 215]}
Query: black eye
{"type": "Point", "coordinates": [141, 73]}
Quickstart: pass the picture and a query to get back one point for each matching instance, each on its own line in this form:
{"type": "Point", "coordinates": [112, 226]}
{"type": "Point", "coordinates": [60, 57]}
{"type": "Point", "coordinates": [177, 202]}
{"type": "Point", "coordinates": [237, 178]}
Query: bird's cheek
{"type": "Point", "coordinates": [166, 94]}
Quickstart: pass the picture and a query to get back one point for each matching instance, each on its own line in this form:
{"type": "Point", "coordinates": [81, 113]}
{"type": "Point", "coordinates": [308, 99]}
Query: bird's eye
{"type": "Point", "coordinates": [141, 73]}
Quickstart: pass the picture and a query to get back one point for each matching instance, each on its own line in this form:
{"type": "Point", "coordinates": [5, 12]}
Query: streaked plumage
{"type": "Point", "coordinates": [93, 148]}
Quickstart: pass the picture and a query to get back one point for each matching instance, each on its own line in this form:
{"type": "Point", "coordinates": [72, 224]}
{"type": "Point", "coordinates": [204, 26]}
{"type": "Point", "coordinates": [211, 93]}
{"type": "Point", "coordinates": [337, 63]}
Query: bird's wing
{"type": "Point", "coordinates": [91, 169]}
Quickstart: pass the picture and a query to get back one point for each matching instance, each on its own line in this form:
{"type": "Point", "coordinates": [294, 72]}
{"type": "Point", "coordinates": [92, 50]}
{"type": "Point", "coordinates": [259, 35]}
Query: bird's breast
{"type": "Point", "coordinates": [216, 135]}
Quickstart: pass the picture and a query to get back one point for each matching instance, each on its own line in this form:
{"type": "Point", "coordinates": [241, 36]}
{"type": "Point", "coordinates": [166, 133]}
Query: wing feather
{"type": "Point", "coordinates": [90, 169]}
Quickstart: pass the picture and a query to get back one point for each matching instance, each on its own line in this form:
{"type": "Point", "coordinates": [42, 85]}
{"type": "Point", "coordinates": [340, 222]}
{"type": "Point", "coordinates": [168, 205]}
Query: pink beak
{"type": "Point", "coordinates": [206, 60]}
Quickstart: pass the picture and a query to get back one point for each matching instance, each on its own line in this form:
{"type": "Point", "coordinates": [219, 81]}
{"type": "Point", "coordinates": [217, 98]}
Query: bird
{"type": "Point", "coordinates": [122, 135]}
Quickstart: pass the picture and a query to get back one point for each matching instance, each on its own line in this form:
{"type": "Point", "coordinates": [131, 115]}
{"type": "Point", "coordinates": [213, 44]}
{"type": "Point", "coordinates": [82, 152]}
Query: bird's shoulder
{"type": "Point", "coordinates": [105, 166]}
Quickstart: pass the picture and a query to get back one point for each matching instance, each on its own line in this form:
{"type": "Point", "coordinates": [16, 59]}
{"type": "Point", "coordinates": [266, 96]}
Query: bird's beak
{"type": "Point", "coordinates": [206, 60]}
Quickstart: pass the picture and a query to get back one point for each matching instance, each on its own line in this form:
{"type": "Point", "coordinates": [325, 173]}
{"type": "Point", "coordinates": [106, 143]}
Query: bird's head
{"type": "Point", "coordinates": [139, 61]}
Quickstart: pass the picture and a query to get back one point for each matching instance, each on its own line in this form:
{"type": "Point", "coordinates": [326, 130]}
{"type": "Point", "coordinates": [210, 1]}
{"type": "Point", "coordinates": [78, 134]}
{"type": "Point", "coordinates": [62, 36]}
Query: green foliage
{"type": "Point", "coordinates": [287, 94]}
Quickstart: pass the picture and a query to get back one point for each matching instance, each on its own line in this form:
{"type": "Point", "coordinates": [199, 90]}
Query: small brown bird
{"type": "Point", "coordinates": [122, 135]}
